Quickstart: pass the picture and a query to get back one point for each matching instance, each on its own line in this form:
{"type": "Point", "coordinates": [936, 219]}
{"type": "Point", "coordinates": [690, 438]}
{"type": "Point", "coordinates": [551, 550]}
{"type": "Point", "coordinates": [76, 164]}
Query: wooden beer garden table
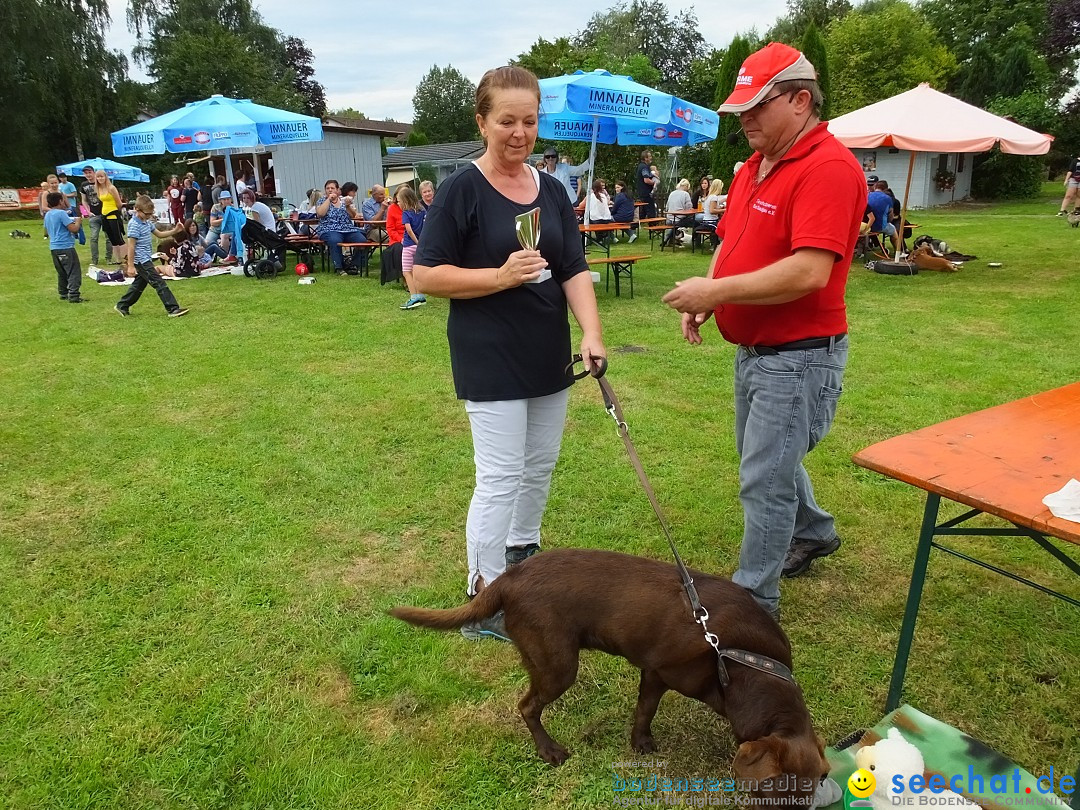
{"type": "Point", "coordinates": [1000, 461]}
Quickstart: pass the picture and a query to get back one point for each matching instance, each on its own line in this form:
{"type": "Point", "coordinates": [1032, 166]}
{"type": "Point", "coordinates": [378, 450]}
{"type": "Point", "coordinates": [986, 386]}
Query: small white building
{"type": "Point", "coordinates": [891, 165]}
{"type": "Point", "coordinates": [345, 153]}
{"type": "Point", "coordinates": [402, 165]}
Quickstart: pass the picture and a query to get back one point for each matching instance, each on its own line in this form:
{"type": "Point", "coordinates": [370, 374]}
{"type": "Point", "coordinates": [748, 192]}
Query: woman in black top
{"type": "Point", "coordinates": [508, 329]}
{"type": "Point", "coordinates": [697, 199]}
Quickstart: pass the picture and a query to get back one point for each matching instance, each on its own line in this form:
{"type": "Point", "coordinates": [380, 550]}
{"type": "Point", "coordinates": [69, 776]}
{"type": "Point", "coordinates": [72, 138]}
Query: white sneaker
{"type": "Point", "coordinates": [615, 240]}
{"type": "Point", "coordinates": [632, 239]}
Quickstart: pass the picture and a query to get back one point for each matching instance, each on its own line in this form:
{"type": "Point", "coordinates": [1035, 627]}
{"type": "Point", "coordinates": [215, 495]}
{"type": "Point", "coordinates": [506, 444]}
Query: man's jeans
{"type": "Point", "coordinates": [784, 405]}
{"type": "Point", "coordinates": [214, 238]}
{"type": "Point", "coordinates": [95, 235]}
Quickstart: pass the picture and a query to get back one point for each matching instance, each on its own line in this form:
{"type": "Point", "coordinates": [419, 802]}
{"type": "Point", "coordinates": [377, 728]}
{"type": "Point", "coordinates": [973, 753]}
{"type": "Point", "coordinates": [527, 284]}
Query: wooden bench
{"type": "Point", "coordinates": [622, 265]}
{"type": "Point", "coordinates": [354, 245]}
{"type": "Point", "coordinates": [701, 233]}
{"type": "Point", "coordinates": [657, 229]}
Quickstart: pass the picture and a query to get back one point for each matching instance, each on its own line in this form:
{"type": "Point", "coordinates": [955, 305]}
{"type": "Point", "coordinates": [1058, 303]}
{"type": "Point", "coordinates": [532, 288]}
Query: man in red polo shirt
{"type": "Point", "coordinates": [776, 288]}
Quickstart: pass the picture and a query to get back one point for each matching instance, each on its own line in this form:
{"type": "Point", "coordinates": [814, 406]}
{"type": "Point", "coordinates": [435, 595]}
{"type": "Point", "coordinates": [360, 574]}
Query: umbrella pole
{"type": "Point", "coordinates": [903, 210]}
{"type": "Point", "coordinates": [229, 174]}
{"type": "Point", "coordinates": [592, 164]}
{"type": "Point", "coordinates": [236, 200]}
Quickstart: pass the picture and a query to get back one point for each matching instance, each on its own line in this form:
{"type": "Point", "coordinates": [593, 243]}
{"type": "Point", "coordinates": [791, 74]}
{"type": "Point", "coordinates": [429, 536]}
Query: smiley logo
{"type": "Point", "coordinates": [861, 783]}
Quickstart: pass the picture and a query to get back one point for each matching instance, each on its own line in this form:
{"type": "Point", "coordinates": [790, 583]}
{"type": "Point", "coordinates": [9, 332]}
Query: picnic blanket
{"type": "Point", "coordinates": [951, 752]}
{"type": "Point", "coordinates": [213, 271]}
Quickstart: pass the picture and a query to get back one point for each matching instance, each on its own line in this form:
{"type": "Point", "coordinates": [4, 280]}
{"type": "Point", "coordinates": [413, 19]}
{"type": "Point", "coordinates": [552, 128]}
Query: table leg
{"type": "Point", "coordinates": [911, 612]}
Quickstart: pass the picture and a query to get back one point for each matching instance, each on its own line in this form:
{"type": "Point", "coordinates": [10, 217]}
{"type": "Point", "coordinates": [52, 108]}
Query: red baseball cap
{"type": "Point", "coordinates": [776, 62]}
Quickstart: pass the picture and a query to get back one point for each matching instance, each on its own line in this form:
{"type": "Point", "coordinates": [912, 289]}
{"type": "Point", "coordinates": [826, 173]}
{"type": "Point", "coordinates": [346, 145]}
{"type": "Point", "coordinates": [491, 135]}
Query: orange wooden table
{"type": "Point", "coordinates": [1002, 462]}
{"type": "Point", "coordinates": [589, 234]}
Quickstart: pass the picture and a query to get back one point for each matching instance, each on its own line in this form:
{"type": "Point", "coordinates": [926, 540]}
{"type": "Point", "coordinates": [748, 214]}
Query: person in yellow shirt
{"type": "Point", "coordinates": [111, 219]}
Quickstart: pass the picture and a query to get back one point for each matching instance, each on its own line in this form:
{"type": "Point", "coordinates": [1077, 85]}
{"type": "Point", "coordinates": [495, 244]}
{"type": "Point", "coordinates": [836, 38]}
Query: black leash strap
{"type": "Point", "coordinates": [612, 406]}
{"type": "Point", "coordinates": [701, 615]}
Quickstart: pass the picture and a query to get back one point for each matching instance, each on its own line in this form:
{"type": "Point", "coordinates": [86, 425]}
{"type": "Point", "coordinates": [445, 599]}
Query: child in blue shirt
{"type": "Point", "coordinates": [412, 219]}
{"type": "Point", "coordinates": [141, 262]}
{"type": "Point", "coordinates": [67, 188]}
{"type": "Point", "coordinates": [61, 228]}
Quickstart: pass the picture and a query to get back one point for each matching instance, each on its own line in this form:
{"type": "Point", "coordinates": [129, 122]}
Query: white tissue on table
{"type": "Point", "coordinates": [1065, 503]}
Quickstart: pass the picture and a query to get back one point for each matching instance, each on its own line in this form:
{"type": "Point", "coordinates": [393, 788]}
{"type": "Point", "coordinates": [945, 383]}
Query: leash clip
{"type": "Point", "coordinates": [620, 426]}
{"type": "Point", "coordinates": [701, 615]}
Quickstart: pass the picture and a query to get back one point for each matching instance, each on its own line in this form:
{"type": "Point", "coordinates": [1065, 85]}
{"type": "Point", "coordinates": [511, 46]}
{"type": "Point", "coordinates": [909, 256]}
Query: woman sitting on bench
{"type": "Point", "coordinates": [712, 206]}
{"type": "Point", "coordinates": [622, 210]}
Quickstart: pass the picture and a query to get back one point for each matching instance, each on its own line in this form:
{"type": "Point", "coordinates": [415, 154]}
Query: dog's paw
{"type": "Point", "coordinates": [643, 743]}
{"type": "Point", "coordinates": [554, 754]}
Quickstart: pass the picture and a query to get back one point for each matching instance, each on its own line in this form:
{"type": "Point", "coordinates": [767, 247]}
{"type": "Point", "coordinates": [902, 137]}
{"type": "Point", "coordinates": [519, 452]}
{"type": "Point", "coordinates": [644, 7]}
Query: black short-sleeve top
{"type": "Point", "coordinates": [512, 344]}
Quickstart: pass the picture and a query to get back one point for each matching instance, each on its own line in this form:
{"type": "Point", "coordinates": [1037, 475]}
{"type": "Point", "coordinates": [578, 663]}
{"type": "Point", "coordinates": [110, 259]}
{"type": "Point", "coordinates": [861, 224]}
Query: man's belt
{"type": "Point", "coordinates": [796, 345]}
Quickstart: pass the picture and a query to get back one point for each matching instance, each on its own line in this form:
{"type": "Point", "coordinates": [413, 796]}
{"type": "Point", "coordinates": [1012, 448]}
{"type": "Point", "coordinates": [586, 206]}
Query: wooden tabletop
{"type": "Point", "coordinates": [603, 226]}
{"type": "Point", "coordinates": [1002, 460]}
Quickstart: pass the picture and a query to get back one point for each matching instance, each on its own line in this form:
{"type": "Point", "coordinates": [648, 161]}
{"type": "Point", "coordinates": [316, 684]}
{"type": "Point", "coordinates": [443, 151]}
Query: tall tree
{"type": "Point", "coordinates": [250, 58]}
{"type": "Point", "coordinates": [700, 85]}
{"type": "Point", "coordinates": [546, 59]}
{"type": "Point", "coordinates": [813, 48]}
{"type": "Point", "coordinates": [726, 155]}
{"type": "Point", "coordinates": [878, 54]}
{"type": "Point", "coordinates": [988, 36]}
{"type": "Point", "coordinates": [443, 106]}
{"type": "Point", "coordinates": [346, 112]}
{"type": "Point", "coordinates": [299, 59]}
{"type": "Point", "coordinates": [59, 80]}
{"type": "Point", "coordinates": [801, 14]}
{"type": "Point", "coordinates": [669, 42]}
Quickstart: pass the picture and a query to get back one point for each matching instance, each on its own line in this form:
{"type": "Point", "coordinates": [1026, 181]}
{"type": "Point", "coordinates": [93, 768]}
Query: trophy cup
{"type": "Point", "coordinates": [527, 227]}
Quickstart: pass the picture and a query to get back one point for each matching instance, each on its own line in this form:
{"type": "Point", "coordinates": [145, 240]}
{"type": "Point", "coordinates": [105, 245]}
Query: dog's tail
{"type": "Point", "coordinates": [486, 604]}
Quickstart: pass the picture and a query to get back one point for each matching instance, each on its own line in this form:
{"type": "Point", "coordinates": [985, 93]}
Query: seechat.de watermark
{"type": "Point", "coordinates": [940, 790]}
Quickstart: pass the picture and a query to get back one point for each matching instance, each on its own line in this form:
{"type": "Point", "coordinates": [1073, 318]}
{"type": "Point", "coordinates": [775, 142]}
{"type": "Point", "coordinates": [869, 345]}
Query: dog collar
{"type": "Point", "coordinates": [762, 663]}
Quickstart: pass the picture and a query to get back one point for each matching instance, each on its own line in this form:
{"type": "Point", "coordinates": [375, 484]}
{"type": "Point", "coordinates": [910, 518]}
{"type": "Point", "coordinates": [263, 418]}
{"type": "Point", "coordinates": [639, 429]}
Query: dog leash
{"type": "Point", "coordinates": [761, 663]}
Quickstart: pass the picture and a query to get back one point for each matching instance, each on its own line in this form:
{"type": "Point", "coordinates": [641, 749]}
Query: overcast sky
{"type": "Point", "coordinates": [367, 59]}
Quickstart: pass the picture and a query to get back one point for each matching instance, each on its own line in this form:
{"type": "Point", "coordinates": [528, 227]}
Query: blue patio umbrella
{"type": "Point", "coordinates": [216, 123]}
{"type": "Point", "coordinates": [114, 170]}
{"type": "Point", "coordinates": [601, 107]}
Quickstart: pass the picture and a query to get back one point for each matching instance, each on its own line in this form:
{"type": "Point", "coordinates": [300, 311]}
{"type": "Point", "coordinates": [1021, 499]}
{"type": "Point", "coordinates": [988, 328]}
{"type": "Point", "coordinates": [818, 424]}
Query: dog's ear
{"type": "Point", "coordinates": [760, 759]}
{"type": "Point", "coordinates": [825, 765]}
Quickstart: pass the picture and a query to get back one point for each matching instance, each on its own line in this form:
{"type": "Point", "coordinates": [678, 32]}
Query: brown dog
{"type": "Point", "coordinates": [924, 259]}
{"type": "Point", "coordinates": [558, 602]}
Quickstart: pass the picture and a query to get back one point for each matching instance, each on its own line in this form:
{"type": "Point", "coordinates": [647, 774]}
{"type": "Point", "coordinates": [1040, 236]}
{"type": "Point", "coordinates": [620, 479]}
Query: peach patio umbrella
{"type": "Point", "coordinates": [924, 120]}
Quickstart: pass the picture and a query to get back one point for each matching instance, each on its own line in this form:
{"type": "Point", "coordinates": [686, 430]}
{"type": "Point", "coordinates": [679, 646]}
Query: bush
{"type": "Point", "coordinates": [1002, 176]}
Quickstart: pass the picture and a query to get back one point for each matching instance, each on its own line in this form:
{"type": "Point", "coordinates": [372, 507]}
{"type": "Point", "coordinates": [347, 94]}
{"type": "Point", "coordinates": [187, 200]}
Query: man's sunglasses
{"type": "Point", "coordinates": [769, 100]}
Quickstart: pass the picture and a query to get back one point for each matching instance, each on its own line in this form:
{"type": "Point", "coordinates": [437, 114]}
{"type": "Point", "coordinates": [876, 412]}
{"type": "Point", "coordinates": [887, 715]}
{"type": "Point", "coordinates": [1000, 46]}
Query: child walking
{"type": "Point", "coordinates": [412, 218]}
{"type": "Point", "coordinates": [140, 262]}
{"type": "Point", "coordinates": [61, 228]}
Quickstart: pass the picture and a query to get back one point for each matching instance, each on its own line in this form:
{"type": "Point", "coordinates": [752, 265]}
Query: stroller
{"type": "Point", "coordinates": [267, 250]}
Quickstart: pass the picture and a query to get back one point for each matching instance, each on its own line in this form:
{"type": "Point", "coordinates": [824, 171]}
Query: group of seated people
{"type": "Point", "coordinates": [882, 215]}
{"type": "Point", "coordinates": [701, 209]}
{"type": "Point", "coordinates": [601, 208]}
{"type": "Point", "coordinates": [334, 218]}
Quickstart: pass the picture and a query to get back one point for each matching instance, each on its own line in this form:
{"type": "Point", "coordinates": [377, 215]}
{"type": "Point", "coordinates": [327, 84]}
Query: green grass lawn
{"type": "Point", "coordinates": [203, 521]}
